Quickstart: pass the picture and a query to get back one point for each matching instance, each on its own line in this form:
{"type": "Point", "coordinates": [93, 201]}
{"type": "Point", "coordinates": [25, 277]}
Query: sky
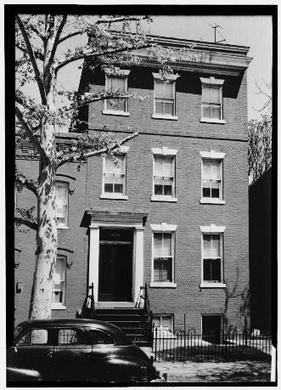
{"type": "Point", "coordinates": [252, 31]}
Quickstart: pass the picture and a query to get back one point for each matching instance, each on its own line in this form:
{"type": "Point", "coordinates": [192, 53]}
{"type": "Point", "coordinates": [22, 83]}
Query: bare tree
{"type": "Point", "coordinates": [260, 138]}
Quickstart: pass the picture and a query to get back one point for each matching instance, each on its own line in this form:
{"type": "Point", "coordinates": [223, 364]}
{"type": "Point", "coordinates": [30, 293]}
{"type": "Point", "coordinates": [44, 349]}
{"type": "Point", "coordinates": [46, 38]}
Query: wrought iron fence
{"type": "Point", "coordinates": [231, 346]}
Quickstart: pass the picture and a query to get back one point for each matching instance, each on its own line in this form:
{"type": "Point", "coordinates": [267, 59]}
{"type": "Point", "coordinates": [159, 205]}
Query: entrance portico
{"type": "Point", "coordinates": [116, 257]}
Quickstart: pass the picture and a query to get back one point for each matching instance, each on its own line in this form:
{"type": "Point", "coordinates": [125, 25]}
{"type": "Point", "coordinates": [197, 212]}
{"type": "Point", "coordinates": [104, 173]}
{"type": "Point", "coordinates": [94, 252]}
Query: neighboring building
{"type": "Point", "coordinates": [173, 212]}
{"type": "Point", "coordinates": [260, 252]}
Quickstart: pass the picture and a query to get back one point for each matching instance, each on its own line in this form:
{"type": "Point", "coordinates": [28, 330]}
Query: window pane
{"type": "Point", "coordinates": [167, 190]}
{"type": "Point", "coordinates": [108, 187]}
{"type": "Point", "coordinates": [158, 166]}
{"type": "Point", "coordinates": [215, 189]}
{"type": "Point", "coordinates": [207, 253]}
{"type": "Point", "coordinates": [216, 112]}
{"type": "Point", "coordinates": [159, 107]}
{"type": "Point", "coordinates": [215, 246]}
{"type": "Point", "coordinates": [157, 244]}
{"type": "Point", "coordinates": [168, 167]}
{"type": "Point", "coordinates": [207, 111]}
{"type": "Point", "coordinates": [207, 269]}
{"type": "Point", "coordinates": [206, 189]}
{"type": "Point", "coordinates": [159, 89]}
{"type": "Point", "coordinates": [69, 337]}
{"type": "Point", "coordinates": [207, 165]}
{"type": "Point", "coordinates": [216, 270]}
{"type": "Point", "coordinates": [114, 165]}
{"type": "Point", "coordinates": [168, 108]}
{"type": "Point", "coordinates": [167, 245]}
{"type": "Point", "coordinates": [169, 90]}
{"type": "Point", "coordinates": [34, 337]}
{"type": "Point", "coordinates": [97, 337]}
{"type": "Point", "coordinates": [211, 94]}
{"type": "Point", "coordinates": [162, 270]}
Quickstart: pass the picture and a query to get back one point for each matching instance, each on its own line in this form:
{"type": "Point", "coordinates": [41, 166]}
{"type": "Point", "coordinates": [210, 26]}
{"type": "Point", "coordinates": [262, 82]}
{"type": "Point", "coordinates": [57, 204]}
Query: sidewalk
{"type": "Point", "coordinates": [241, 371]}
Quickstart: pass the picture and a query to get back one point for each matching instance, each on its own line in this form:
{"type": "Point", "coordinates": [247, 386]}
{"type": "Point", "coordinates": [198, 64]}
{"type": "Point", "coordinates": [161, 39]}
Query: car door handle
{"type": "Point", "coordinates": [50, 353]}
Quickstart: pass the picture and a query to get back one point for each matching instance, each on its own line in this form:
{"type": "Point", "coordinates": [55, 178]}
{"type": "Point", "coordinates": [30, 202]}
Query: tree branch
{"type": "Point", "coordinates": [93, 55]}
{"type": "Point", "coordinates": [33, 60]}
{"type": "Point", "coordinates": [26, 222]}
{"type": "Point", "coordinates": [116, 145]}
{"type": "Point", "coordinates": [69, 36]}
{"type": "Point", "coordinates": [30, 134]}
{"type": "Point", "coordinates": [121, 19]}
{"type": "Point", "coordinates": [22, 181]}
{"type": "Point", "coordinates": [55, 44]}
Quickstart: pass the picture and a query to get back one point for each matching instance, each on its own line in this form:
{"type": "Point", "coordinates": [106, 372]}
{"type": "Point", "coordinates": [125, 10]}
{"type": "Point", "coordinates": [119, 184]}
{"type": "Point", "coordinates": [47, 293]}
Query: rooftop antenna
{"type": "Point", "coordinates": [214, 27]}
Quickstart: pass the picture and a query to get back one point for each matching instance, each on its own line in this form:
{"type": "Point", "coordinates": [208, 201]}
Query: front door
{"type": "Point", "coordinates": [115, 265]}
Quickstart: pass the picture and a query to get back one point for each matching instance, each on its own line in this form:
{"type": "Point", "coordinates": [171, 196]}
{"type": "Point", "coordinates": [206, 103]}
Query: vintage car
{"type": "Point", "coordinates": [71, 350]}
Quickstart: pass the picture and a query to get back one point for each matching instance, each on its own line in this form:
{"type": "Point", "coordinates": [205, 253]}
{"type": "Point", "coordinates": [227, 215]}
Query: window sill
{"type": "Point", "coordinates": [163, 199]}
{"type": "Point", "coordinates": [113, 196]}
{"type": "Point", "coordinates": [163, 284]}
{"type": "Point", "coordinates": [58, 306]}
{"type": "Point", "coordinates": [212, 285]}
{"type": "Point", "coordinates": [118, 113]}
{"type": "Point", "coordinates": [63, 227]}
{"type": "Point", "coordinates": [168, 117]}
{"type": "Point", "coordinates": [209, 120]}
{"type": "Point", "coordinates": [212, 201]}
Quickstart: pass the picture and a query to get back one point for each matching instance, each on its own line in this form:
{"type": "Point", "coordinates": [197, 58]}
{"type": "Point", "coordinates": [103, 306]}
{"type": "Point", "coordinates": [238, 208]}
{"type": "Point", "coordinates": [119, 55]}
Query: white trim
{"type": "Point", "coordinates": [137, 260]}
{"type": "Point", "coordinates": [62, 227]}
{"type": "Point", "coordinates": [58, 306]}
{"type": "Point", "coordinates": [212, 285]}
{"type": "Point", "coordinates": [168, 117]}
{"type": "Point", "coordinates": [209, 120]}
{"type": "Point", "coordinates": [118, 113]}
{"type": "Point", "coordinates": [163, 284]}
{"type": "Point", "coordinates": [170, 77]}
{"type": "Point", "coordinates": [212, 154]}
{"type": "Point", "coordinates": [108, 195]}
{"type": "Point", "coordinates": [163, 227]}
{"type": "Point", "coordinates": [163, 198]}
{"type": "Point", "coordinates": [211, 201]}
{"type": "Point", "coordinates": [212, 229]}
{"type": "Point", "coordinates": [211, 81]}
{"type": "Point", "coordinates": [164, 151]}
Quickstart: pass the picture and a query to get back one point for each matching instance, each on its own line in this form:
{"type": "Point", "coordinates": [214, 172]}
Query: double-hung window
{"type": "Point", "coordinates": [164, 181]}
{"type": "Point", "coordinates": [212, 256]}
{"type": "Point", "coordinates": [212, 177]}
{"type": "Point", "coordinates": [163, 255]}
{"type": "Point", "coordinates": [62, 191]}
{"type": "Point", "coordinates": [117, 86]}
{"type": "Point", "coordinates": [114, 176]}
{"type": "Point", "coordinates": [164, 96]}
{"type": "Point", "coordinates": [59, 279]}
{"type": "Point", "coordinates": [212, 100]}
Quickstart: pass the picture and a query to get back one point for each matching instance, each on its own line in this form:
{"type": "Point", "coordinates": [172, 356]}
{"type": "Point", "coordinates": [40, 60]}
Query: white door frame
{"type": "Point", "coordinates": [94, 248]}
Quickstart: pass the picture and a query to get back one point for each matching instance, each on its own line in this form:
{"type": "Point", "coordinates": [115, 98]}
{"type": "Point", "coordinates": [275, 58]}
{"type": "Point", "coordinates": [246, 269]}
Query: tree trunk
{"type": "Point", "coordinates": [41, 299]}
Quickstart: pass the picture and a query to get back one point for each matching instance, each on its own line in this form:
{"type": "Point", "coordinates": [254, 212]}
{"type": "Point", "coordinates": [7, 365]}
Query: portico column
{"type": "Point", "coordinates": [138, 274]}
{"type": "Point", "coordinates": [94, 258]}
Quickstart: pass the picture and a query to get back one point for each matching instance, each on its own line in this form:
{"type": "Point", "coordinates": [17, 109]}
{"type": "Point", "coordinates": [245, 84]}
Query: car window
{"type": "Point", "coordinates": [34, 337]}
{"type": "Point", "coordinates": [99, 337]}
{"type": "Point", "coordinates": [68, 336]}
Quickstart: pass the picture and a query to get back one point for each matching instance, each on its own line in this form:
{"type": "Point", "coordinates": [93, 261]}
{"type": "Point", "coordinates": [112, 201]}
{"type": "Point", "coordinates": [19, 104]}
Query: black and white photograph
{"type": "Point", "coordinates": [141, 195]}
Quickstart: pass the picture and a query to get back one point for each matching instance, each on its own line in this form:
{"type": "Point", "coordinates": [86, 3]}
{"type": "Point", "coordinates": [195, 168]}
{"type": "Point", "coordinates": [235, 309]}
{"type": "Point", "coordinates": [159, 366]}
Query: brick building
{"type": "Point", "coordinates": [173, 212]}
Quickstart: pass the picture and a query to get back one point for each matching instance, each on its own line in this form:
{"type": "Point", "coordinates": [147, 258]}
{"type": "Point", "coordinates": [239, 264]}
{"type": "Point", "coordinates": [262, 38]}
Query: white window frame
{"type": "Point", "coordinates": [164, 152]}
{"type": "Point", "coordinates": [61, 305]}
{"type": "Point", "coordinates": [212, 155]}
{"type": "Point", "coordinates": [215, 83]}
{"type": "Point", "coordinates": [163, 228]}
{"type": "Point", "coordinates": [123, 151]}
{"type": "Point", "coordinates": [123, 75]}
{"type": "Point", "coordinates": [157, 77]}
{"type": "Point", "coordinates": [212, 230]}
{"type": "Point", "coordinates": [66, 224]}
